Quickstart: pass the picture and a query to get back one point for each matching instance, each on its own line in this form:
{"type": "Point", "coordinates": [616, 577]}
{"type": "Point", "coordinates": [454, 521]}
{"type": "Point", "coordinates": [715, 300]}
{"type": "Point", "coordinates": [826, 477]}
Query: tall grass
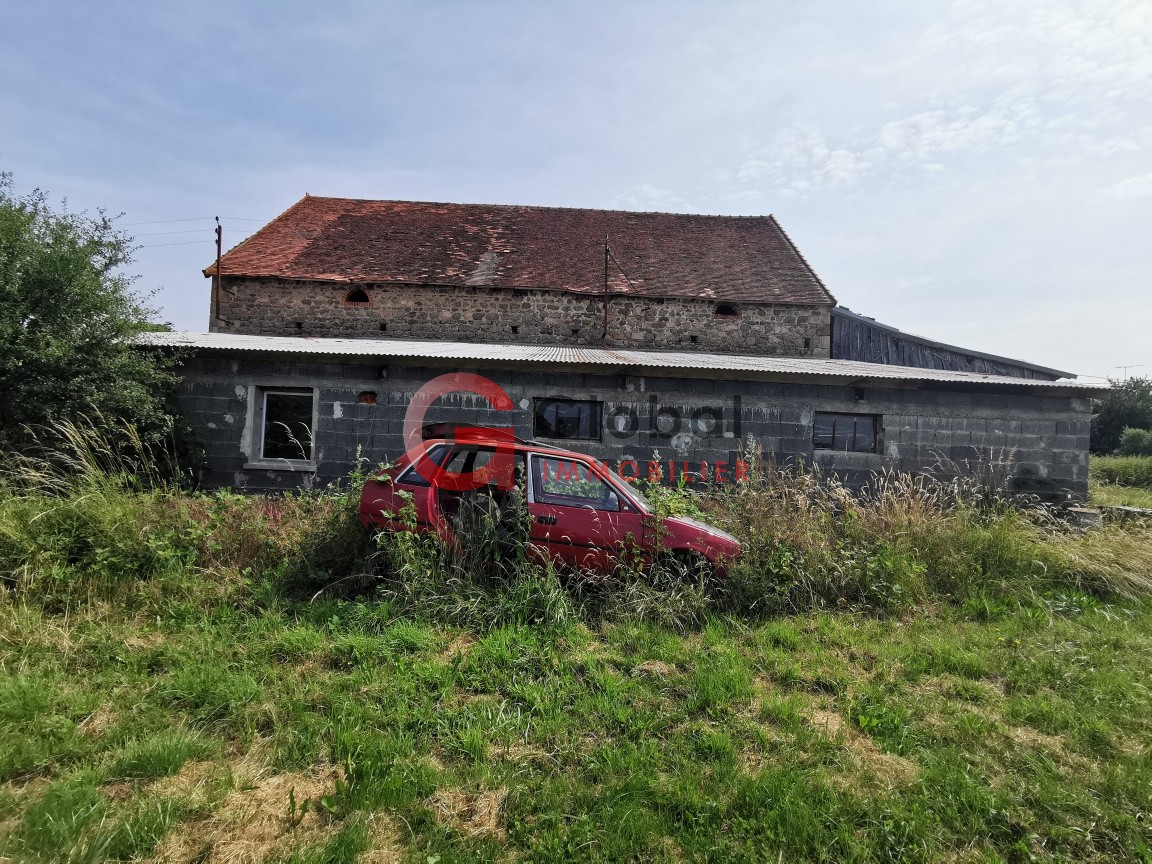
{"type": "Point", "coordinates": [1121, 470]}
{"type": "Point", "coordinates": [94, 519]}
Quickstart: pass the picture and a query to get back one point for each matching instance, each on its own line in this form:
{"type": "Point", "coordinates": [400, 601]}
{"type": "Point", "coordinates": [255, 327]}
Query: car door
{"type": "Point", "coordinates": [578, 519]}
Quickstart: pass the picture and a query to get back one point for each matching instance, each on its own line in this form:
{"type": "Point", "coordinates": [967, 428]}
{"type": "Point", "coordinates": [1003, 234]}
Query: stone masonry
{"type": "Point", "coordinates": [278, 307]}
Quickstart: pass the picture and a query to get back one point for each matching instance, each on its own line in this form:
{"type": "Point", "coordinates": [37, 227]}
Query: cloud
{"type": "Point", "coordinates": [1029, 87]}
{"type": "Point", "coordinates": [1139, 186]}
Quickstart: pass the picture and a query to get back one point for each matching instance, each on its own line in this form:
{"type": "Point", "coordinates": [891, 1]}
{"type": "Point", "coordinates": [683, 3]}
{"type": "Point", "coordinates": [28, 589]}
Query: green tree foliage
{"type": "Point", "coordinates": [1136, 442]}
{"type": "Point", "coordinates": [68, 318]}
{"type": "Point", "coordinates": [1128, 404]}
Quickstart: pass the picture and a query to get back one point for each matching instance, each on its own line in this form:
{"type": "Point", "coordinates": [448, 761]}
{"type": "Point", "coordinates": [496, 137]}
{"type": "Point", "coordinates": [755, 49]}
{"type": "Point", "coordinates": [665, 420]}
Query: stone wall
{"type": "Point", "coordinates": [1040, 441]}
{"type": "Point", "coordinates": [274, 307]}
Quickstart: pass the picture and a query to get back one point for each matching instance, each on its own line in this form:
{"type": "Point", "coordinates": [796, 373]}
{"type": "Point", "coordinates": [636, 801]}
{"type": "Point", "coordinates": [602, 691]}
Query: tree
{"type": "Point", "coordinates": [1127, 405]}
{"type": "Point", "coordinates": [68, 321]}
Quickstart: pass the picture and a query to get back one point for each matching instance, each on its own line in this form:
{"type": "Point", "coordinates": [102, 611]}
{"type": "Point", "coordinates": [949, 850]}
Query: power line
{"type": "Point", "coordinates": [183, 243]}
{"type": "Point", "coordinates": [190, 219]}
{"type": "Point", "coordinates": [159, 233]}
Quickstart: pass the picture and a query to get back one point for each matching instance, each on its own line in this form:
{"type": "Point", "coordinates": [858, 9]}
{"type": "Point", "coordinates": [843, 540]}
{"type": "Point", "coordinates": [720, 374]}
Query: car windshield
{"type": "Point", "coordinates": [636, 494]}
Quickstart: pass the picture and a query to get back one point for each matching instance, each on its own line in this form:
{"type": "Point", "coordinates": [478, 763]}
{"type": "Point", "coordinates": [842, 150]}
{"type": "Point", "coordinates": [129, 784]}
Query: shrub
{"type": "Point", "coordinates": [1135, 442]}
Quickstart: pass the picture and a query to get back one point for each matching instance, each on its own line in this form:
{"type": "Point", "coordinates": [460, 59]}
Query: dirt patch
{"type": "Point", "coordinates": [458, 647]}
{"type": "Point", "coordinates": [96, 723]}
{"type": "Point", "coordinates": [266, 814]}
{"type": "Point", "coordinates": [654, 669]}
{"type": "Point", "coordinates": [473, 814]}
{"type": "Point", "coordinates": [875, 767]}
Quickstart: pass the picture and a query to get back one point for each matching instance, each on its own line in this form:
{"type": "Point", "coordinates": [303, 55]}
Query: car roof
{"type": "Point", "coordinates": [520, 444]}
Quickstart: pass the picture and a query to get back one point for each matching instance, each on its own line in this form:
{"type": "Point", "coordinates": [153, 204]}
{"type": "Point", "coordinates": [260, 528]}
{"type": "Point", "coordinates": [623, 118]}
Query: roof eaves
{"type": "Point", "coordinates": [796, 250]}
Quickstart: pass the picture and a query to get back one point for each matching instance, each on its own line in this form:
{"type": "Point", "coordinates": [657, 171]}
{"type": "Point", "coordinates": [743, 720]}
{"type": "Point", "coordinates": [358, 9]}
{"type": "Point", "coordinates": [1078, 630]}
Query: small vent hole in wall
{"type": "Point", "coordinates": [368, 397]}
{"type": "Point", "coordinates": [383, 326]}
{"type": "Point", "coordinates": [725, 310]}
{"type": "Point", "coordinates": [299, 325]}
{"type": "Point", "coordinates": [575, 331]}
{"type": "Point", "coordinates": [357, 297]}
{"type": "Point", "coordinates": [515, 328]}
{"type": "Point", "coordinates": [807, 343]}
{"type": "Point", "coordinates": [693, 339]}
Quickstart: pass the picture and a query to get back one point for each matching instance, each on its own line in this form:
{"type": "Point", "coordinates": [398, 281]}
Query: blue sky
{"type": "Point", "coordinates": [978, 171]}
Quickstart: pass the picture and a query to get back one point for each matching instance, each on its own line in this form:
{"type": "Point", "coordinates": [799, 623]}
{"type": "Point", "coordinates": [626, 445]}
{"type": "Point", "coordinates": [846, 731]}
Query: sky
{"type": "Point", "coordinates": [975, 171]}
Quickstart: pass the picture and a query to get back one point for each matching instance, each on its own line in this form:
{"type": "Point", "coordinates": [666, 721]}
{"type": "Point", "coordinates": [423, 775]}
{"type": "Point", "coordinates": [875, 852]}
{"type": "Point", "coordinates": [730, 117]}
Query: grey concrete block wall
{"type": "Point", "coordinates": [1042, 441]}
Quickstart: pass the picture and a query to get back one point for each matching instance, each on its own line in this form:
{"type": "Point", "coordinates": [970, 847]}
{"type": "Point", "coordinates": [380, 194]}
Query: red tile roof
{"type": "Point", "coordinates": [734, 258]}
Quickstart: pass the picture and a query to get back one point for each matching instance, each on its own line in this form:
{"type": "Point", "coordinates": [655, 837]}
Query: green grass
{"type": "Point", "coordinates": [1107, 495]}
{"type": "Point", "coordinates": [908, 677]}
{"type": "Point", "coordinates": [1121, 470]}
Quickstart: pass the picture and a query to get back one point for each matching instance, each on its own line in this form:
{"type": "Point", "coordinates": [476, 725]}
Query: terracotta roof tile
{"type": "Point", "coordinates": [734, 258]}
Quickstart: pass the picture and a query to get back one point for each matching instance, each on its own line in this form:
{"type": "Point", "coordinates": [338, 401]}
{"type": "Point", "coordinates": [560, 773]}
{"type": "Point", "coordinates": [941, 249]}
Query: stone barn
{"type": "Point", "coordinates": [646, 339]}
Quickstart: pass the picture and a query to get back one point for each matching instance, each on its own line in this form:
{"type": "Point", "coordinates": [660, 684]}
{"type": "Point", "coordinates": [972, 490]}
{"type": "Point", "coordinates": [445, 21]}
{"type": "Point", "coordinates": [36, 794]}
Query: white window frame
{"type": "Point", "coordinates": [261, 412]}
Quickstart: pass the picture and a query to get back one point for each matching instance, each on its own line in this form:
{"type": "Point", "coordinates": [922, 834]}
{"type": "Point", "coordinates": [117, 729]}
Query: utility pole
{"type": "Point", "coordinates": [216, 292]}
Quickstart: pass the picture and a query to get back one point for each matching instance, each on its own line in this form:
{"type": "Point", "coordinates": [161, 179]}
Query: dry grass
{"type": "Point", "coordinates": [265, 814]}
{"type": "Point", "coordinates": [473, 814]}
{"type": "Point", "coordinates": [873, 767]}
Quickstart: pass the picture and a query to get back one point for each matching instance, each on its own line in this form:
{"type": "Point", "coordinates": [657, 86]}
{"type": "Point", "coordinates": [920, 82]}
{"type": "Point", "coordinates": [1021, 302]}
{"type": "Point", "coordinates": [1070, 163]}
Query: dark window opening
{"type": "Point", "coordinates": [515, 329]}
{"type": "Point", "coordinates": [692, 339]}
{"type": "Point", "coordinates": [368, 397]}
{"type": "Point", "coordinates": [567, 418]}
{"type": "Point", "coordinates": [287, 424]}
{"type": "Point", "coordinates": [299, 325]}
{"type": "Point", "coordinates": [575, 331]}
{"type": "Point", "coordinates": [807, 343]}
{"type": "Point", "coordinates": [847, 433]}
{"type": "Point", "coordinates": [725, 310]}
{"type": "Point", "coordinates": [383, 326]}
{"type": "Point", "coordinates": [357, 297]}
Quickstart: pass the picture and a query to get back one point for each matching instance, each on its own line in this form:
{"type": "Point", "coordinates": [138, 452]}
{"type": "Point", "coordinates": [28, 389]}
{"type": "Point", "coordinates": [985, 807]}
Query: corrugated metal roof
{"type": "Point", "coordinates": [615, 359]}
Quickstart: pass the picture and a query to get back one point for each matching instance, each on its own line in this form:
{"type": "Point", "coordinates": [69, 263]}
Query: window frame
{"type": "Point", "coordinates": [261, 405]}
{"type": "Point", "coordinates": [877, 428]}
{"type": "Point", "coordinates": [538, 495]}
{"type": "Point", "coordinates": [596, 423]}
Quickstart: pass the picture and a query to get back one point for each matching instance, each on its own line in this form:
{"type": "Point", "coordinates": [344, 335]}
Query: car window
{"type": "Point", "coordinates": [465, 460]}
{"type": "Point", "coordinates": [412, 477]}
{"type": "Point", "coordinates": [570, 483]}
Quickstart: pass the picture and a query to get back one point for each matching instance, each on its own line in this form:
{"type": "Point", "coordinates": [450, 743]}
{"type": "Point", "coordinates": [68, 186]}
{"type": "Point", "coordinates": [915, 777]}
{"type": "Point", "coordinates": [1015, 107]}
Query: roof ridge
{"type": "Point", "coordinates": [532, 207]}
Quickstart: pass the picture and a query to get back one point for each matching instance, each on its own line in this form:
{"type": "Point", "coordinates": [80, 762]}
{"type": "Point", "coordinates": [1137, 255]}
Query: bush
{"type": "Point", "coordinates": [1121, 470]}
{"type": "Point", "coordinates": [1135, 442]}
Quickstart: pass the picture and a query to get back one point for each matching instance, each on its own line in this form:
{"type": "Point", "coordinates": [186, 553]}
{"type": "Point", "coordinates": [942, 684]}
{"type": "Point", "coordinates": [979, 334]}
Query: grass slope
{"type": "Point", "coordinates": [919, 675]}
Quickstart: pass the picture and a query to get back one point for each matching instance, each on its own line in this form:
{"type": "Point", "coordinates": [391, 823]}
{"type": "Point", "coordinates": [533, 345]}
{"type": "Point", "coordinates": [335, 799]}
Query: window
{"type": "Point", "coordinates": [569, 483]}
{"type": "Point", "coordinates": [725, 310]}
{"type": "Point", "coordinates": [289, 417]}
{"type": "Point", "coordinates": [413, 477]}
{"type": "Point", "coordinates": [566, 418]}
{"type": "Point", "coordinates": [849, 433]}
{"type": "Point", "coordinates": [357, 297]}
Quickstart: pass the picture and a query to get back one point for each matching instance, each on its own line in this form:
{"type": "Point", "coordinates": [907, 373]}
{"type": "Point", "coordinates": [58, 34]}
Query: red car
{"type": "Point", "coordinates": [581, 514]}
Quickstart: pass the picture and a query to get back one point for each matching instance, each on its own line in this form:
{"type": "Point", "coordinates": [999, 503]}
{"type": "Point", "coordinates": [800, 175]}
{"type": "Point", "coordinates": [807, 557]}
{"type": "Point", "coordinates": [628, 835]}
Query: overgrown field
{"type": "Point", "coordinates": [922, 673]}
